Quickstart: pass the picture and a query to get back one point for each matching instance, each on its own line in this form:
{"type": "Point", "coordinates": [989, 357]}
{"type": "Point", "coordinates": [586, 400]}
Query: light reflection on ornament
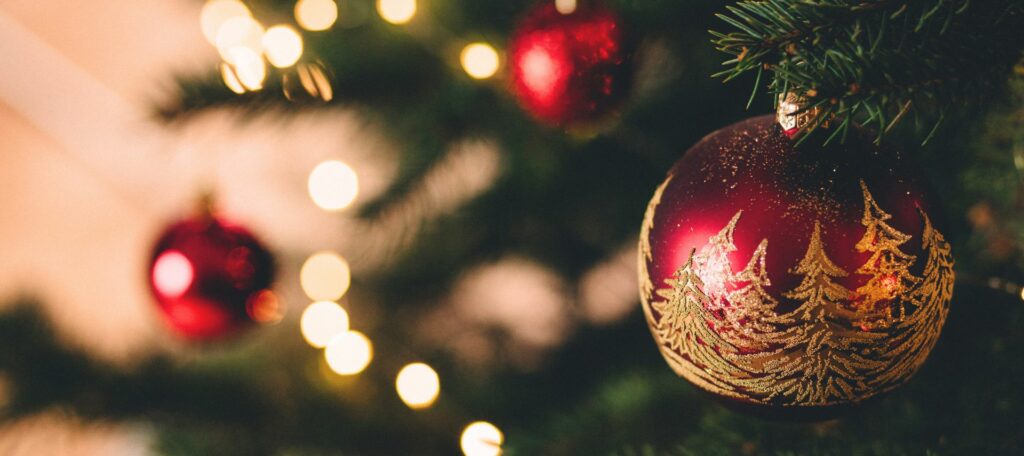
{"type": "Point", "coordinates": [321, 321]}
{"type": "Point", "coordinates": [265, 307]}
{"type": "Point", "coordinates": [325, 276]}
{"type": "Point", "coordinates": [480, 60]}
{"type": "Point", "coordinates": [283, 46]}
{"type": "Point", "coordinates": [316, 15]}
{"type": "Point", "coordinates": [348, 353]}
{"type": "Point", "coordinates": [333, 185]}
{"type": "Point", "coordinates": [216, 12]}
{"type": "Point", "coordinates": [172, 274]}
{"type": "Point", "coordinates": [482, 439]}
{"type": "Point", "coordinates": [542, 72]}
{"type": "Point", "coordinates": [418, 385]}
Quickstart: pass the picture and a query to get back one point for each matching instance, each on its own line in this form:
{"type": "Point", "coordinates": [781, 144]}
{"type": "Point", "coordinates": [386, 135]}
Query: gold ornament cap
{"type": "Point", "coordinates": [792, 115]}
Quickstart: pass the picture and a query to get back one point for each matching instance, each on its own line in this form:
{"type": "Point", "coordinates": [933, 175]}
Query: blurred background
{"type": "Point", "coordinates": [416, 214]}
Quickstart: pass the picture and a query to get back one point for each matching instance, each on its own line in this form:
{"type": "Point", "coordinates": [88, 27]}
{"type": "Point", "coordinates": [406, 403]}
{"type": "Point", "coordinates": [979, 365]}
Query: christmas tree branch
{"type": "Point", "coordinates": [877, 61]}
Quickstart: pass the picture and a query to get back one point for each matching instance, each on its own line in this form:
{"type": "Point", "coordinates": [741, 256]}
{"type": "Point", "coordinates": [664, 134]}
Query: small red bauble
{"type": "Point", "coordinates": [208, 275]}
{"type": "Point", "coordinates": [570, 69]}
{"type": "Point", "coordinates": [793, 281]}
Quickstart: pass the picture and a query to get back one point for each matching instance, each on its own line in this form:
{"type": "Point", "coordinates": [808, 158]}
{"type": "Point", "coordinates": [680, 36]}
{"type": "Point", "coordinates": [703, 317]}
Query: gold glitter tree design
{"type": "Point", "coordinates": [684, 316]}
{"type": "Point", "coordinates": [820, 363]}
{"type": "Point", "coordinates": [751, 313]}
{"type": "Point", "coordinates": [916, 335]}
{"type": "Point", "coordinates": [877, 300]}
{"type": "Point", "coordinates": [712, 263]}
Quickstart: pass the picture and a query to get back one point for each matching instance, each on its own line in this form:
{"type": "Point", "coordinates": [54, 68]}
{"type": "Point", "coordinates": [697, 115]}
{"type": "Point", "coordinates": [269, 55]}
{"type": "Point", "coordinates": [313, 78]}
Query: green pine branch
{"type": "Point", "coordinates": [876, 62]}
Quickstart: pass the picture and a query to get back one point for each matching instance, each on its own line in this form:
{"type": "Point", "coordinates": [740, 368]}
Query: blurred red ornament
{"type": "Point", "coordinates": [210, 278]}
{"type": "Point", "coordinates": [793, 281]}
{"type": "Point", "coordinates": [570, 69]}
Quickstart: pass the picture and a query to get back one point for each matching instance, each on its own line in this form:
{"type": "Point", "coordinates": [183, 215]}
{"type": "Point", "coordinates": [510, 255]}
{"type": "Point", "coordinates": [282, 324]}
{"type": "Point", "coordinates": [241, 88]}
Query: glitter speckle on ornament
{"type": "Point", "coordinates": [793, 282]}
{"type": "Point", "coordinates": [570, 68]}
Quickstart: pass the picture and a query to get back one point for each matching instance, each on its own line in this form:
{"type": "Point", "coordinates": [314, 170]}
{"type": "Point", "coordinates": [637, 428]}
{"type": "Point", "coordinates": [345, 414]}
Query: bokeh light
{"type": "Point", "coordinates": [283, 46]}
{"type": "Point", "coordinates": [348, 353]}
{"type": "Point", "coordinates": [418, 385]}
{"type": "Point", "coordinates": [227, 72]}
{"type": "Point", "coordinates": [239, 32]}
{"type": "Point", "coordinates": [480, 60]}
{"type": "Point", "coordinates": [482, 439]}
{"type": "Point", "coordinates": [321, 321]}
{"type": "Point", "coordinates": [216, 12]}
{"type": "Point", "coordinates": [316, 15]}
{"type": "Point", "coordinates": [265, 307]}
{"type": "Point", "coordinates": [565, 6]}
{"type": "Point", "coordinates": [249, 68]}
{"type": "Point", "coordinates": [306, 82]}
{"type": "Point", "coordinates": [172, 274]}
{"type": "Point", "coordinates": [396, 11]}
{"type": "Point", "coordinates": [333, 185]}
{"type": "Point", "coordinates": [325, 276]}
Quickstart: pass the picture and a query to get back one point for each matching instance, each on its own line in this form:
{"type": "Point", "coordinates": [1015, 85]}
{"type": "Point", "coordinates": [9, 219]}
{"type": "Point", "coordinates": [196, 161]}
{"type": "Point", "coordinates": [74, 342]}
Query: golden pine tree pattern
{"type": "Point", "coordinates": [920, 331]}
{"type": "Point", "coordinates": [823, 361]}
{"type": "Point", "coordinates": [683, 326]}
{"type": "Point", "coordinates": [712, 264]}
{"type": "Point", "coordinates": [738, 344]}
{"type": "Point", "coordinates": [751, 312]}
{"type": "Point", "coordinates": [889, 267]}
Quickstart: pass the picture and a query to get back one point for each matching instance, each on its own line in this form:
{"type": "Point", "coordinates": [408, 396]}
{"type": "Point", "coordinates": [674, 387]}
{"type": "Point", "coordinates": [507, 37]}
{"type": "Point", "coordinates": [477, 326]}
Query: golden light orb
{"type": "Point", "coordinates": [565, 7]}
{"type": "Point", "coordinates": [316, 15]}
{"type": "Point", "coordinates": [333, 185]}
{"type": "Point", "coordinates": [418, 385]}
{"type": "Point", "coordinates": [283, 46]}
{"type": "Point", "coordinates": [397, 12]}
{"type": "Point", "coordinates": [482, 439]}
{"type": "Point", "coordinates": [249, 68]}
{"type": "Point", "coordinates": [239, 32]}
{"type": "Point", "coordinates": [216, 12]}
{"type": "Point", "coordinates": [321, 321]}
{"type": "Point", "coordinates": [480, 60]}
{"type": "Point", "coordinates": [348, 353]}
{"type": "Point", "coordinates": [325, 276]}
{"type": "Point", "coordinates": [227, 73]}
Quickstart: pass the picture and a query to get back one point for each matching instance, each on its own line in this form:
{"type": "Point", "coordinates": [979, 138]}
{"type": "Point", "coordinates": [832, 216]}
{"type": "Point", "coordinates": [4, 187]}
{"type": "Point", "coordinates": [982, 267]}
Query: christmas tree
{"type": "Point", "coordinates": [455, 265]}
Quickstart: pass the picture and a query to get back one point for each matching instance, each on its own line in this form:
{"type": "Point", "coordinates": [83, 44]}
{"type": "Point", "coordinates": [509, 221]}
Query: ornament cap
{"type": "Point", "coordinates": [793, 115]}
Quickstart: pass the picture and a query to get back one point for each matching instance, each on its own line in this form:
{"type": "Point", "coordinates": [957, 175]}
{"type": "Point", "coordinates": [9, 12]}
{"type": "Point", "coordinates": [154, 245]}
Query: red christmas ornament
{"type": "Point", "coordinates": [210, 277]}
{"type": "Point", "coordinates": [793, 281]}
{"type": "Point", "coordinates": [570, 69]}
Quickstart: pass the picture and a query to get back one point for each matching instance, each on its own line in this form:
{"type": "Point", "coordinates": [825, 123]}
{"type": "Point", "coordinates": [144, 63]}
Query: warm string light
{"type": "Point", "coordinates": [321, 321]}
{"type": "Point", "coordinates": [227, 73]}
{"type": "Point", "coordinates": [325, 276]}
{"type": "Point", "coordinates": [348, 353]}
{"type": "Point", "coordinates": [397, 12]}
{"type": "Point", "coordinates": [480, 60]}
{"type": "Point", "coordinates": [418, 385]}
{"type": "Point", "coordinates": [283, 46]}
{"type": "Point", "coordinates": [482, 439]}
{"type": "Point", "coordinates": [333, 185]}
{"type": "Point", "coordinates": [215, 13]}
{"type": "Point", "coordinates": [241, 32]}
{"type": "Point", "coordinates": [316, 15]}
{"type": "Point", "coordinates": [565, 7]}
